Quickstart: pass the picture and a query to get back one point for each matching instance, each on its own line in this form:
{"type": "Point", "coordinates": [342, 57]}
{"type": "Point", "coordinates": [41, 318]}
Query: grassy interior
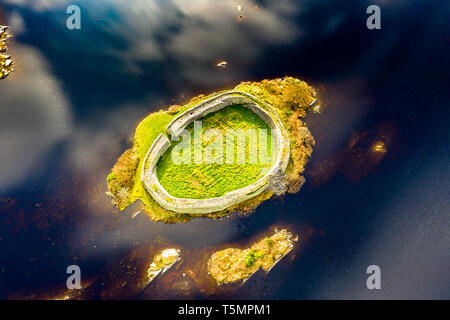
{"type": "Point", "coordinates": [203, 181]}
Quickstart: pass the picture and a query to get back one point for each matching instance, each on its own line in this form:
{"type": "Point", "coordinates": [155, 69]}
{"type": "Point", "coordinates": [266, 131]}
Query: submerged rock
{"type": "Point", "coordinates": [232, 264]}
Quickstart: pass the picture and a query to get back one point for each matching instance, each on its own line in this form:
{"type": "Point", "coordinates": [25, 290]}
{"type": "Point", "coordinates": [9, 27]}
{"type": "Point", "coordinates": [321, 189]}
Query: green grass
{"type": "Point", "coordinates": [252, 256]}
{"type": "Point", "coordinates": [146, 133]}
{"type": "Point", "coordinates": [202, 181]}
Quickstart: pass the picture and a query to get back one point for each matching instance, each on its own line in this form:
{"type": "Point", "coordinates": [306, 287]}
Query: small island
{"type": "Point", "coordinates": [163, 169]}
{"type": "Point", "coordinates": [233, 264]}
{"type": "Point", "coordinates": [161, 263]}
{"type": "Point", "coordinates": [5, 60]}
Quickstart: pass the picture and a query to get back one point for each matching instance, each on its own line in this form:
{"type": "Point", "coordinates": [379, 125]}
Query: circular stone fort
{"type": "Point", "coordinates": [149, 175]}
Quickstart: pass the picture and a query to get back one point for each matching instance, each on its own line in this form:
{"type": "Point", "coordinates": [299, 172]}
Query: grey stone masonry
{"type": "Point", "coordinates": [178, 124]}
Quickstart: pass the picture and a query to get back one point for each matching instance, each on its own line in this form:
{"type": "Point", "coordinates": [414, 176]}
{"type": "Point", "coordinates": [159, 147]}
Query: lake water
{"type": "Point", "coordinates": [376, 188]}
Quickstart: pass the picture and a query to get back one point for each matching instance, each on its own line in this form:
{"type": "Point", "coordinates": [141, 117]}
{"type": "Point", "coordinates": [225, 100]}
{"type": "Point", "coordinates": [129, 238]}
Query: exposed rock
{"type": "Point", "coordinates": [5, 60]}
{"type": "Point", "coordinates": [161, 263]}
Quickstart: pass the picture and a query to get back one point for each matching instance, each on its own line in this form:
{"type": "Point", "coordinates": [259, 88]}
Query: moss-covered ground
{"type": "Point", "coordinates": [288, 96]}
{"type": "Point", "coordinates": [202, 181]}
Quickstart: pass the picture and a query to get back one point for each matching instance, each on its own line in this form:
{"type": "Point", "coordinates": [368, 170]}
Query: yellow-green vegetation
{"type": "Point", "coordinates": [288, 96]}
{"type": "Point", "coordinates": [233, 264]}
{"type": "Point", "coordinates": [202, 181]}
{"type": "Point", "coordinates": [161, 263]}
{"type": "Point", "coordinates": [5, 61]}
{"type": "Point", "coordinates": [252, 257]}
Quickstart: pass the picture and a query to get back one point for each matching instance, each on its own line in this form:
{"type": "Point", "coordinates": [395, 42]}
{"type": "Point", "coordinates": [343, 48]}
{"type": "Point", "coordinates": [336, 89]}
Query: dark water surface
{"type": "Point", "coordinates": [72, 106]}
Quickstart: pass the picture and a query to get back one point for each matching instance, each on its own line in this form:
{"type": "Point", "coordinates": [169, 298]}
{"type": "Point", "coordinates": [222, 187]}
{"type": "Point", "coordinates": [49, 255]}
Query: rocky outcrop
{"type": "Point", "coordinates": [161, 263]}
{"type": "Point", "coordinates": [232, 265]}
{"type": "Point", "coordinates": [5, 60]}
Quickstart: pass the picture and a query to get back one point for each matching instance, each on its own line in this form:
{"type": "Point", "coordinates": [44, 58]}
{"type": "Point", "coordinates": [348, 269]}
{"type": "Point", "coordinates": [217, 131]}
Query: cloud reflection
{"type": "Point", "coordinates": [34, 115]}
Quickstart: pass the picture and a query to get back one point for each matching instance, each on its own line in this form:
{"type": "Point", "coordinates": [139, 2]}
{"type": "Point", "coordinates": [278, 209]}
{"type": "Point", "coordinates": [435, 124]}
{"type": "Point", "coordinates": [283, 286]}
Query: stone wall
{"type": "Point", "coordinates": [176, 126]}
